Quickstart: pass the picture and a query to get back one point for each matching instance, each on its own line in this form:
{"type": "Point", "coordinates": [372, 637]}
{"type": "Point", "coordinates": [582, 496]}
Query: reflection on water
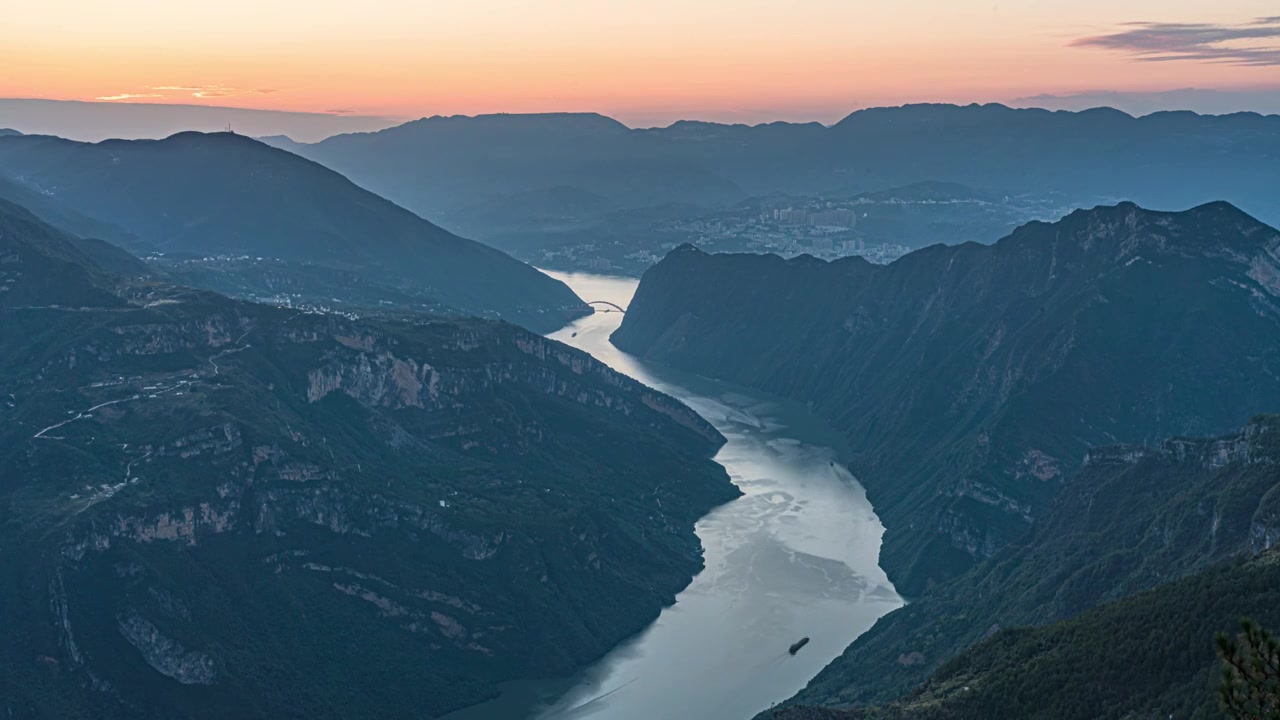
{"type": "Point", "coordinates": [795, 556]}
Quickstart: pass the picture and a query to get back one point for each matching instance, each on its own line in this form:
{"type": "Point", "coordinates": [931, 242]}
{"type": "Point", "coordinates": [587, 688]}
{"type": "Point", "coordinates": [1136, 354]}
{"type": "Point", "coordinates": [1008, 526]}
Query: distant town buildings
{"type": "Point", "coordinates": [880, 228]}
{"type": "Point", "coordinates": [841, 218]}
{"type": "Point", "coordinates": [852, 247]}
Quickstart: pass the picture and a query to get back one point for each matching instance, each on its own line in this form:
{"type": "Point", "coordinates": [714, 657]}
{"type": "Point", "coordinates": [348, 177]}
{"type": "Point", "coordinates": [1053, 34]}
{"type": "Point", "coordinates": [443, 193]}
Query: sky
{"type": "Point", "coordinates": [646, 63]}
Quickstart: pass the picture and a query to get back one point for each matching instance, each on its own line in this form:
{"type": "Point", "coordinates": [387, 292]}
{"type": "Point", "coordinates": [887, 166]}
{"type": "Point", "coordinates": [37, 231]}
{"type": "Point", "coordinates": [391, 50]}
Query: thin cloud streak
{"type": "Point", "coordinates": [126, 96]}
{"type": "Point", "coordinates": [203, 92]}
{"type": "Point", "coordinates": [1255, 44]}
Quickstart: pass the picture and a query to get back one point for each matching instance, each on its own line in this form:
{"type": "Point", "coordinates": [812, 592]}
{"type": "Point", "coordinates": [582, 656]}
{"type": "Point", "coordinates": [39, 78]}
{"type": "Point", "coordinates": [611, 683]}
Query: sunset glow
{"type": "Point", "coordinates": [748, 59]}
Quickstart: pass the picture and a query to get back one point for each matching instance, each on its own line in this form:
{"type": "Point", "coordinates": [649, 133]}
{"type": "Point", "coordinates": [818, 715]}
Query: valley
{"type": "Point", "coordinates": [795, 556]}
{"type": "Point", "coordinates": [209, 505]}
{"type": "Point", "coordinates": [869, 437]}
{"type": "Point", "coordinates": [683, 360]}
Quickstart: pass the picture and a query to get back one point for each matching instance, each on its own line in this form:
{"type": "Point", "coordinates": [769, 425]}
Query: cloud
{"type": "Point", "coordinates": [211, 91]}
{"type": "Point", "coordinates": [126, 96]}
{"type": "Point", "coordinates": [1255, 43]}
{"type": "Point", "coordinates": [170, 92]}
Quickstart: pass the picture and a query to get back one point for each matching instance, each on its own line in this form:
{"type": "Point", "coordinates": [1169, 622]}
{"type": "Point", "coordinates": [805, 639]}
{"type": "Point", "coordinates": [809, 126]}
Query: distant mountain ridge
{"type": "Point", "coordinates": [439, 166]}
{"type": "Point", "coordinates": [197, 195]}
{"type": "Point", "coordinates": [971, 380]}
{"type": "Point", "coordinates": [1167, 160]}
{"type": "Point", "coordinates": [99, 120]}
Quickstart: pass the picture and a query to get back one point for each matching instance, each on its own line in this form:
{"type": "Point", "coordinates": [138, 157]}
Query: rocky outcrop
{"type": "Point", "coordinates": [376, 377]}
{"type": "Point", "coordinates": [1131, 519]}
{"type": "Point", "coordinates": [231, 505]}
{"type": "Point", "coordinates": [439, 488]}
{"type": "Point", "coordinates": [972, 381]}
{"type": "Point", "coordinates": [166, 655]}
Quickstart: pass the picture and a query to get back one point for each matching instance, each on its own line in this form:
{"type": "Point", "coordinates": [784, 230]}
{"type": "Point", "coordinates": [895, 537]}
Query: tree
{"type": "Point", "coordinates": [1250, 687]}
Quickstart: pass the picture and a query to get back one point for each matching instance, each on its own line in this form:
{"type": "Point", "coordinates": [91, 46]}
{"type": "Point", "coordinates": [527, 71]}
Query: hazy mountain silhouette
{"type": "Point", "coordinates": [199, 194]}
{"type": "Point", "coordinates": [437, 166]}
{"type": "Point", "coordinates": [94, 121]}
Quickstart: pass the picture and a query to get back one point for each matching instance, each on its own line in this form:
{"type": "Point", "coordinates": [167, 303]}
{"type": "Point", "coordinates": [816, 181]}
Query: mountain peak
{"type": "Point", "coordinates": [1214, 229]}
{"type": "Point", "coordinates": [686, 248]}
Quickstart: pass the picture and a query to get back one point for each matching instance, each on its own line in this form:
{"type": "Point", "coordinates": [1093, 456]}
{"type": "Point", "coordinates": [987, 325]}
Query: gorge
{"type": "Point", "coordinates": [795, 556]}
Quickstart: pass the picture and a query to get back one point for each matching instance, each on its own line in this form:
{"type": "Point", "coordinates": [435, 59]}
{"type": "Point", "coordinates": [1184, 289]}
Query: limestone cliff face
{"type": "Point", "coordinates": [166, 655]}
{"type": "Point", "coordinates": [1254, 445]}
{"type": "Point", "coordinates": [972, 380]}
{"type": "Point", "coordinates": [1131, 519]}
{"type": "Point", "coordinates": [369, 371]}
{"type": "Point", "coordinates": [229, 505]}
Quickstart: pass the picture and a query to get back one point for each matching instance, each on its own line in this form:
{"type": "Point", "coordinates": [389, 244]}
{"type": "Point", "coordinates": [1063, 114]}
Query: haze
{"type": "Point", "coordinates": [646, 64]}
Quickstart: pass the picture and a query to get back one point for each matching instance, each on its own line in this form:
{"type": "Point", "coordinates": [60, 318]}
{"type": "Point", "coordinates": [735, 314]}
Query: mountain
{"type": "Point", "coordinates": [8, 131]}
{"type": "Point", "coordinates": [1166, 159]}
{"type": "Point", "coordinates": [1150, 655]}
{"type": "Point", "coordinates": [214, 509]}
{"type": "Point", "coordinates": [1132, 519]}
{"type": "Point", "coordinates": [48, 209]}
{"type": "Point", "coordinates": [41, 266]}
{"type": "Point", "coordinates": [279, 224]}
{"type": "Point", "coordinates": [440, 166]}
{"type": "Point", "coordinates": [971, 380]}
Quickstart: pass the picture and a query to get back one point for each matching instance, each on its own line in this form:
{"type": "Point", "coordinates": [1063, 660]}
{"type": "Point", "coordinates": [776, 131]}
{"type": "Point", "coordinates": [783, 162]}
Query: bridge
{"type": "Point", "coordinates": [608, 305]}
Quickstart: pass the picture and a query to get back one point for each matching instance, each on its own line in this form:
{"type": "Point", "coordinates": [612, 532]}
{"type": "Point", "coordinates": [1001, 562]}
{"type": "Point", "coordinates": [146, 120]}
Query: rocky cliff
{"type": "Point", "coordinates": [972, 380]}
{"type": "Point", "coordinates": [1149, 655]}
{"type": "Point", "coordinates": [1133, 518]}
{"type": "Point", "coordinates": [217, 509]}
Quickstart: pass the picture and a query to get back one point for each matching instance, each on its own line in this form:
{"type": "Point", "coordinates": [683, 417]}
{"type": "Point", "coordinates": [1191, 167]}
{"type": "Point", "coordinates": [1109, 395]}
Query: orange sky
{"type": "Point", "coordinates": [407, 58]}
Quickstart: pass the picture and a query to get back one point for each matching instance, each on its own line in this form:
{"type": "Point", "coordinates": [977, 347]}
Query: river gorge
{"type": "Point", "coordinates": [795, 556]}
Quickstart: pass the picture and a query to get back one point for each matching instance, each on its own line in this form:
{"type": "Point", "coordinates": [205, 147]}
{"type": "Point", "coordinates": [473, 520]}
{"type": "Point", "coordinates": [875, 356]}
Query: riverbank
{"type": "Point", "coordinates": [795, 556]}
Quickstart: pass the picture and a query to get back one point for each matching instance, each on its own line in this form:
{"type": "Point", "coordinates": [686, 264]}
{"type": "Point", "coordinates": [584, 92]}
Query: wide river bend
{"type": "Point", "coordinates": [795, 556]}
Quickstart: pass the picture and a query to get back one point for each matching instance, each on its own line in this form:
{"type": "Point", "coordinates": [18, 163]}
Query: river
{"type": "Point", "coordinates": [795, 556]}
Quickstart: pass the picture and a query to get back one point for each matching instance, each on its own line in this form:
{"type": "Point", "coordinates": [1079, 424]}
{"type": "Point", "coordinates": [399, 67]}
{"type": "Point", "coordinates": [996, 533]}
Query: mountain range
{"type": "Point", "coordinates": [450, 168]}
{"type": "Point", "coordinates": [218, 509]}
{"type": "Point", "coordinates": [234, 215]}
{"type": "Point", "coordinates": [971, 380]}
{"type": "Point", "coordinates": [369, 498]}
{"type": "Point", "coordinates": [983, 389]}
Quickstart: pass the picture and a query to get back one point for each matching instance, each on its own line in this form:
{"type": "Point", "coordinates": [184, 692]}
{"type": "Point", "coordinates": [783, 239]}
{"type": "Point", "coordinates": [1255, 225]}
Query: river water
{"type": "Point", "coordinates": [795, 556]}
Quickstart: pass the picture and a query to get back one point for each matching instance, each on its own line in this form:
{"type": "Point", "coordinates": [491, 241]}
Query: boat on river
{"type": "Point", "coordinates": [795, 647]}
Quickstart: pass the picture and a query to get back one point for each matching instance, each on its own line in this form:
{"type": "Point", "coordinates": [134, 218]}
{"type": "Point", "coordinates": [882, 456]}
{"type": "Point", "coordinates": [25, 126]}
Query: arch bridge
{"type": "Point", "coordinates": [608, 305]}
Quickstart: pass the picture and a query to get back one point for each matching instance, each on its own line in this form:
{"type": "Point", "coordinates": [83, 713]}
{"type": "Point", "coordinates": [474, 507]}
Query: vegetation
{"type": "Point", "coordinates": [1131, 519]}
{"type": "Point", "coordinates": [972, 380]}
{"type": "Point", "coordinates": [216, 509]}
{"type": "Point", "coordinates": [283, 226]}
{"type": "Point", "coordinates": [1146, 656]}
{"type": "Point", "coordinates": [1250, 687]}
